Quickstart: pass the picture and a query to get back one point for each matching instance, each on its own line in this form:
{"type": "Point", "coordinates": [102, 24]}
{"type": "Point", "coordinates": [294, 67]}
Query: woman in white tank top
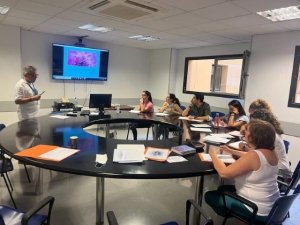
{"type": "Point", "coordinates": [255, 172]}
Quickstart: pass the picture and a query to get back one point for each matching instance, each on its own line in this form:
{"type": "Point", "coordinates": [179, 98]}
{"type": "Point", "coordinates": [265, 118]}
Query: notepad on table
{"type": "Point", "coordinates": [157, 154]}
{"type": "Point", "coordinates": [161, 114]}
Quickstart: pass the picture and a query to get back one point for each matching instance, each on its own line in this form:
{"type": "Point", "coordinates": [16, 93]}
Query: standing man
{"type": "Point", "coordinates": [26, 95]}
{"type": "Point", "coordinates": [198, 109]}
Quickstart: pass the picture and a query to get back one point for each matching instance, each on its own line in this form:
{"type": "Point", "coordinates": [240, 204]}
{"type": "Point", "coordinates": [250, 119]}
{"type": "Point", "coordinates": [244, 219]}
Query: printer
{"type": "Point", "coordinates": [63, 106]}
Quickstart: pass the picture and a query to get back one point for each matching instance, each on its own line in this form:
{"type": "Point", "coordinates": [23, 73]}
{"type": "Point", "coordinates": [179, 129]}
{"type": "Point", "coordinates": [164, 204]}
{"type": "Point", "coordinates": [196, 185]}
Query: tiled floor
{"type": "Point", "coordinates": [135, 202]}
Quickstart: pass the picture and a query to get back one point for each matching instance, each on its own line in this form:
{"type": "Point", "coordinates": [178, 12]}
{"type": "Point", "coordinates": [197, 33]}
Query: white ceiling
{"type": "Point", "coordinates": [178, 23]}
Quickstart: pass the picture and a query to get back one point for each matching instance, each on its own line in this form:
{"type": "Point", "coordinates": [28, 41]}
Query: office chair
{"type": "Point", "coordinates": [10, 215]}
{"type": "Point", "coordinates": [136, 125]}
{"type": "Point", "coordinates": [276, 216]}
{"type": "Point", "coordinates": [286, 186]}
{"type": "Point", "coordinates": [112, 220]}
{"type": "Point", "coordinates": [5, 167]}
{"type": "Point", "coordinates": [2, 126]}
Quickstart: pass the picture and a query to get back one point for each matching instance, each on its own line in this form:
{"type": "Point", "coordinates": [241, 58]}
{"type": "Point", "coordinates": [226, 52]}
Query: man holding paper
{"type": "Point", "coordinates": [27, 97]}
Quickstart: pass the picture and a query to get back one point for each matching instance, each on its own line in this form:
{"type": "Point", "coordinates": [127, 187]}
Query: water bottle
{"type": "Point", "coordinates": [217, 120]}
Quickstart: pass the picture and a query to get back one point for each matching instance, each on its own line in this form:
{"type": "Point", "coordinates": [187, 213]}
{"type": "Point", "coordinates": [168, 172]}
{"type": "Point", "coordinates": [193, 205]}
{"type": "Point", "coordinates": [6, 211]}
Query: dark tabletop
{"type": "Point", "coordinates": [53, 131]}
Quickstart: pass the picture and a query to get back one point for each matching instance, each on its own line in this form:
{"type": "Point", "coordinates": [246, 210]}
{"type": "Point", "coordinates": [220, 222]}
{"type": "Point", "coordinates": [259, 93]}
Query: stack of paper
{"type": "Point", "coordinates": [215, 139]}
{"type": "Point", "coordinates": [200, 129]}
{"type": "Point", "coordinates": [129, 153]}
{"type": "Point", "coordinates": [236, 133]}
{"type": "Point", "coordinates": [225, 158]}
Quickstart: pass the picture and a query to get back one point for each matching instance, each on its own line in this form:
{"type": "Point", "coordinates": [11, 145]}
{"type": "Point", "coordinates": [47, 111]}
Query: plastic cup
{"type": "Point", "coordinates": [73, 141]}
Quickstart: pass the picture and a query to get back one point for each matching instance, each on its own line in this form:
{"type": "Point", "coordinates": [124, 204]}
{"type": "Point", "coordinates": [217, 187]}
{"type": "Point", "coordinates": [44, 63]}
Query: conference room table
{"type": "Point", "coordinates": [53, 130]}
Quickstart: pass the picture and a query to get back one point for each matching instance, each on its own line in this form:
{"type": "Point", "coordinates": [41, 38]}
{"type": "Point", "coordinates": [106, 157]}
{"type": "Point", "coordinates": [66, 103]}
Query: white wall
{"type": "Point", "coordinates": [10, 63]}
{"type": "Point", "coordinates": [159, 73]}
{"type": "Point", "coordinates": [270, 70]}
{"type": "Point", "coordinates": [128, 72]}
{"type": "Point", "coordinates": [204, 51]}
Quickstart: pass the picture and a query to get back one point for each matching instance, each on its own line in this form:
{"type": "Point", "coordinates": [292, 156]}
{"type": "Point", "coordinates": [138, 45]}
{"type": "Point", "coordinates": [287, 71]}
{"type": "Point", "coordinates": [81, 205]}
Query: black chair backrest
{"type": "Point", "coordinates": [286, 145]}
{"type": "Point", "coordinates": [182, 107]}
{"type": "Point", "coordinates": [295, 177]}
{"type": "Point", "coordinates": [280, 209]}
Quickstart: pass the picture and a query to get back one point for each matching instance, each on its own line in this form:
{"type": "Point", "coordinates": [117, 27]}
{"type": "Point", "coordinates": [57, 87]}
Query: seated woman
{"type": "Point", "coordinates": [259, 104]}
{"type": "Point", "coordinates": [237, 116]}
{"type": "Point", "coordinates": [264, 114]}
{"type": "Point", "coordinates": [171, 105]}
{"type": "Point", "coordinates": [146, 106]}
{"type": "Point", "coordinates": [254, 173]}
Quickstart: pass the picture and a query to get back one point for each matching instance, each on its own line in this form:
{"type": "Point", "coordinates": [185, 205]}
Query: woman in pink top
{"type": "Point", "coordinates": [146, 106]}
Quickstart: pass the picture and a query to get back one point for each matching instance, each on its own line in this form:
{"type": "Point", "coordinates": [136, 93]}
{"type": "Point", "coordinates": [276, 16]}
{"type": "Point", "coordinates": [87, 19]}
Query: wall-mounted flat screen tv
{"type": "Point", "coordinates": [79, 63]}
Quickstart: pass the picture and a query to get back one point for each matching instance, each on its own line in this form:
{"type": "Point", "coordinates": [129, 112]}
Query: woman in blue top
{"type": "Point", "coordinates": [237, 116]}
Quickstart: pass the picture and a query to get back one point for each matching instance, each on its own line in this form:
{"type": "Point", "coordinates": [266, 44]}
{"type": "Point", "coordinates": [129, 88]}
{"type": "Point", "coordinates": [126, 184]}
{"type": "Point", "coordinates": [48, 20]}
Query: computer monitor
{"type": "Point", "coordinates": [100, 101]}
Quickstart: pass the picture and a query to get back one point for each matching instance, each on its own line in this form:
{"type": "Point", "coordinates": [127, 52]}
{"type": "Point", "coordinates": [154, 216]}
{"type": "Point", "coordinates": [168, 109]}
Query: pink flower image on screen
{"type": "Point", "coordinates": [79, 58]}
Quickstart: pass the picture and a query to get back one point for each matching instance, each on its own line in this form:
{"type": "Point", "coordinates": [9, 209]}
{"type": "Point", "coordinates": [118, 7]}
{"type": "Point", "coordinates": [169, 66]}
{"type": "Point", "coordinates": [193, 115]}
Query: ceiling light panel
{"type": "Point", "coordinates": [281, 14]}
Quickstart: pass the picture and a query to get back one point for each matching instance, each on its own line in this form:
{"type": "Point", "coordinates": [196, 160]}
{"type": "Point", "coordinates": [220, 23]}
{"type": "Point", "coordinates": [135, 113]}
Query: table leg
{"type": "Point", "coordinates": [100, 201]}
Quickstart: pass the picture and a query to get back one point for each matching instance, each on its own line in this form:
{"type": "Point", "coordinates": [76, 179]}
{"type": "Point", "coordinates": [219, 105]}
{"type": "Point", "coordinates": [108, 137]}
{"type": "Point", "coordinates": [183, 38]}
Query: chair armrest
{"type": "Point", "coordinates": [190, 202]}
{"type": "Point", "coordinates": [282, 183]}
{"type": "Point", "coordinates": [245, 201]}
{"type": "Point", "coordinates": [47, 201]}
{"type": "Point", "coordinates": [112, 220]}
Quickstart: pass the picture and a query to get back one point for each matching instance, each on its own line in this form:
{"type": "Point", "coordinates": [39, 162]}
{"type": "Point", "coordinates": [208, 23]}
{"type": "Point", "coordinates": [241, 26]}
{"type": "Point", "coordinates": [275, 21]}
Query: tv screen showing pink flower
{"type": "Point", "coordinates": [81, 58]}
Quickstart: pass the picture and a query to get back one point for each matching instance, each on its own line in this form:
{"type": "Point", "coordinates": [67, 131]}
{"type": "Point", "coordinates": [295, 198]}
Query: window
{"type": "Point", "coordinates": [223, 76]}
{"type": "Point", "coordinates": [294, 98]}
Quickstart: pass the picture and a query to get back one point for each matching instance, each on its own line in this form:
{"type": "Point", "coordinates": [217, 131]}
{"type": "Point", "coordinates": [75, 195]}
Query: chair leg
{"type": "Point", "coordinates": [225, 220]}
{"type": "Point", "coordinates": [147, 133]}
{"type": "Point", "coordinates": [9, 181]}
{"type": "Point", "coordinates": [27, 174]}
{"type": "Point", "coordinates": [10, 194]}
{"type": "Point", "coordinates": [127, 133]}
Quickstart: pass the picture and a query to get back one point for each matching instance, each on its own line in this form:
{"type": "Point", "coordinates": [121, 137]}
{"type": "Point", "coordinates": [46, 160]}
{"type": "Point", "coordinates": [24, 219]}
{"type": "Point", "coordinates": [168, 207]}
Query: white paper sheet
{"type": "Point", "coordinates": [201, 125]}
{"type": "Point", "coordinates": [101, 158]}
{"type": "Point", "coordinates": [162, 114]}
{"type": "Point", "coordinates": [200, 129]}
{"type": "Point", "coordinates": [58, 154]}
{"type": "Point", "coordinates": [59, 116]}
{"type": "Point", "coordinates": [222, 135]}
{"type": "Point", "coordinates": [236, 133]}
{"type": "Point", "coordinates": [175, 159]}
{"type": "Point", "coordinates": [134, 111]}
{"type": "Point", "coordinates": [215, 139]}
{"type": "Point", "coordinates": [186, 118]}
